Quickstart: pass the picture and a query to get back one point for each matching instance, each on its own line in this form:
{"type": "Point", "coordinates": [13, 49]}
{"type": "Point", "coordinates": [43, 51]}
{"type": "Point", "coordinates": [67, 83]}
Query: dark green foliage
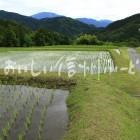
{"type": "Point", "coordinates": [13, 34]}
{"type": "Point", "coordinates": [28, 40]}
{"type": "Point", "coordinates": [67, 26]}
{"type": "Point", "coordinates": [42, 37]}
{"type": "Point", "coordinates": [126, 30]}
{"type": "Point", "coordinates": [133, 42]}
{"type": "Point", "coordinates": [24, 20]}
{"type": "Point", "coordinates": [87, 39]}
{"type": "Point", "coordinates": [25, 31]}
{"type": "Point", "coordinates": [10, 39]}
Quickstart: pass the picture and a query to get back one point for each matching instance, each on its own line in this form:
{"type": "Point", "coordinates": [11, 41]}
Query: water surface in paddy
{"type": "Point", "coordinates": [45, 109]}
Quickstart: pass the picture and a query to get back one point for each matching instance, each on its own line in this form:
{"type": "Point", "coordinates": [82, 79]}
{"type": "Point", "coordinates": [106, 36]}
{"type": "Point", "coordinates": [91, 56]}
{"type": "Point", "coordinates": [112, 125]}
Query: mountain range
{"type": "Point", "coordinates": [89, 21]}
{"type": "Point", "coordinates": [124, 30]}
{"type": "Point", "coordinates": [96, 23]}
{"type": "Point", "coordinates": [63, 25]}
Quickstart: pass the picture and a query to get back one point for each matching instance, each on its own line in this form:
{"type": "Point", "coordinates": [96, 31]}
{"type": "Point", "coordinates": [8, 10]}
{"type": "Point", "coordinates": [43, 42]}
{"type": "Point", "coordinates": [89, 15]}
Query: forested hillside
{"type": "Point", "coordinates": [63, 25]}
{"type": "Point", "coordinates": [13, 34]}
{"type": "Point", "coordinates": [126, 30]}
{"type": "Point", "coordinates": [21, 30]}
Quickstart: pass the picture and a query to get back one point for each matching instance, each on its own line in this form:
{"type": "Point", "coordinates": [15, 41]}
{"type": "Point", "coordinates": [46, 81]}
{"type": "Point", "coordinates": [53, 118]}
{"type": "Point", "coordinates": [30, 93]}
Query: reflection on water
{"type": "Point", "coordinates": [32, 113]}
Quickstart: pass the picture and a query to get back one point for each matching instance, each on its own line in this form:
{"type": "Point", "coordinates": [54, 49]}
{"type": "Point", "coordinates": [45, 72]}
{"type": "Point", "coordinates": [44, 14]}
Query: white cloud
{"type": "Point", "coordinates": [100, 9]}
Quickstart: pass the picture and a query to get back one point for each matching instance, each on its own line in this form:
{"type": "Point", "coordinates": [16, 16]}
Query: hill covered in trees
{"type": "Point", "coordinates": [67, 26]}
{"type": "Point", "coordinates": [13, 34]}
{"type": "Point", "coordinates": [126, 30]}
{"type": "Point", "coordinates": [63, 25]}
{"type": "Point", "coordinates": [19, 30]}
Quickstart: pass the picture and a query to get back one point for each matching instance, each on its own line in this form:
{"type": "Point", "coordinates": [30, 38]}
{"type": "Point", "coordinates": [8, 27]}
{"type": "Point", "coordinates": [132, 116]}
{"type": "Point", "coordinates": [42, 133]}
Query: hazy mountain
{"type": "Point", "coordinates": [42, 15]}
{"type": "Point", "coordinates": [97, 23]}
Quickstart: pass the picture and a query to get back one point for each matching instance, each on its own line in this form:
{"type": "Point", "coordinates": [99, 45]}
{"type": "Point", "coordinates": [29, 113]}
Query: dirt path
{"type": "Point", "coordinates": [135, 57]}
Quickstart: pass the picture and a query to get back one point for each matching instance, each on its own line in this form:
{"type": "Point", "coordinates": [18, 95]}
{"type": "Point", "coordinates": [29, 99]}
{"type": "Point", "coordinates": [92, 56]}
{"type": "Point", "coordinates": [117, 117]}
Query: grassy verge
{"type": "Point", "coordinates": [108, 109]}
{"type": "Point", "coordinates": [62, 48]}
{"type": "Point", "coordinates": [138, 49]}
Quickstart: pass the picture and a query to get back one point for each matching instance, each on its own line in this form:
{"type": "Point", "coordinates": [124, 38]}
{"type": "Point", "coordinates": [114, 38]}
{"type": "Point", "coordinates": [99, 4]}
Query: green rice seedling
{"type": "Point", "coordinates": [5, 133]}
{"type": "Point", "coordinates": [52, 96]}
{"type": "Point", "coordinates": [39, 130]}
{"type": "Point", "coordinates": [28, 122]}
{"type": "Point", "coordinates": [29, 117]}
{"type": "Point", "coordinates": [21, 136]}
{"type": "Point", "coordinates": [15, 115]}
{"type": "Point", "coordinates": [8, 126]}
{"type": "Point", "coordinates": [39, 136]}
{"type": "Point", "coordinates": [41, 123]}
{"type": "Point", "coordinates": [37, 100]}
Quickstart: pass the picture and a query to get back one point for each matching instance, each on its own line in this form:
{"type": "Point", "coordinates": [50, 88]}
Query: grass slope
{"type": "Point", "coordinates": [106, 109]}
{"type": "Point", "coordinates": [138, 49]}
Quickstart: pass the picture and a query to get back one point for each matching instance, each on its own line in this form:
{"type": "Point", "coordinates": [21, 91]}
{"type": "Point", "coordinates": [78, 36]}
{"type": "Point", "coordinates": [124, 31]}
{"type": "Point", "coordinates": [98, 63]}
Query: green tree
{"type": "Point", "coordinates": [10, 39]}
{"type": "Point", "coordinates": [40, 37]}
{"type": "Point", "coordinates": [87, 39]}
{"type": "Point", "coordinates": [1, 38]}
{"type": "Point", "coordinates": [28, 40]}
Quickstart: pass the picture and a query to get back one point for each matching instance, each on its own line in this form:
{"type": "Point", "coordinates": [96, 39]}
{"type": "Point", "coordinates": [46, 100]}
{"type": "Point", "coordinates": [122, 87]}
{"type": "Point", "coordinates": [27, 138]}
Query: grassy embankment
{"type": "Point", "coordinates": [61, 48]}
{"type": "Point", "coordinates": [108, 109]}
{"type": "Point", "coordinates": [138, 49]}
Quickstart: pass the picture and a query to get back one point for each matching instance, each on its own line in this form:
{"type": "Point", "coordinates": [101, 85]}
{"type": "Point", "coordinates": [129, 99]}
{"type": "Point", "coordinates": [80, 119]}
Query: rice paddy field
{"type": "Point", "coordinates": [54, 61]}
{"type": "Point", "coordinates": [25, 113]}
{"type": "Point", "coordinates": [105, 108]}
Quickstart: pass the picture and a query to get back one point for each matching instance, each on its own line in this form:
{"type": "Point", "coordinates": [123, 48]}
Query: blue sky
{"type": "Point", "coordinates": [98, 9]}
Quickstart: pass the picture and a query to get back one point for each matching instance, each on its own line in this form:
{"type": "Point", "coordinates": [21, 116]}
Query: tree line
{"type": "Point", "coordinates": [13, 34]}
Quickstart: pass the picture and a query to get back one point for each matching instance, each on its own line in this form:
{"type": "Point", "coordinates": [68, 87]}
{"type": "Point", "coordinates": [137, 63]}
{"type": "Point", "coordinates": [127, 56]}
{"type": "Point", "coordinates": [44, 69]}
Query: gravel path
{"type": "Point", "coordinates": [135, 57]}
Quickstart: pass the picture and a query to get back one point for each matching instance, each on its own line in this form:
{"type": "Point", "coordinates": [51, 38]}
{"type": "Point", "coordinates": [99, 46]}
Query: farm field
{"type": "Point", "coordinates": [61, 48]}
{"type": "Point", "coordinates": [25, 113]}
{"type": "Point", "coordinates": [54, 61]}
{"type": "Point", "coordinates": [105, 108]}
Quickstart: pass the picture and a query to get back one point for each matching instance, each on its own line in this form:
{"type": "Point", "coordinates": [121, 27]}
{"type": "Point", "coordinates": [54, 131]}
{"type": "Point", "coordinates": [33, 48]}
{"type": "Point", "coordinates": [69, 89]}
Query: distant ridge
{"type": "Point", "coordinates": [42, 15]}
{"type": "Point", "coordinates": [97, 23]}
{"type": "Point", "coordinates": [89, 21]}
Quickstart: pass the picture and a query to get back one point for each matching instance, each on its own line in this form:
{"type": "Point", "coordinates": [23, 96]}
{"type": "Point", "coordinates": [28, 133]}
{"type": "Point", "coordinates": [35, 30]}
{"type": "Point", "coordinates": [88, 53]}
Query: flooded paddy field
{"type": "Point", "coordinates": [28, 113]}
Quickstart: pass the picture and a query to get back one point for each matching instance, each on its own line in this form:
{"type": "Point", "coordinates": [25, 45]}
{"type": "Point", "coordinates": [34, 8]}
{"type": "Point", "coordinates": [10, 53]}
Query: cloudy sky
{"type": "Point", "coordinates": [98, 9]}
